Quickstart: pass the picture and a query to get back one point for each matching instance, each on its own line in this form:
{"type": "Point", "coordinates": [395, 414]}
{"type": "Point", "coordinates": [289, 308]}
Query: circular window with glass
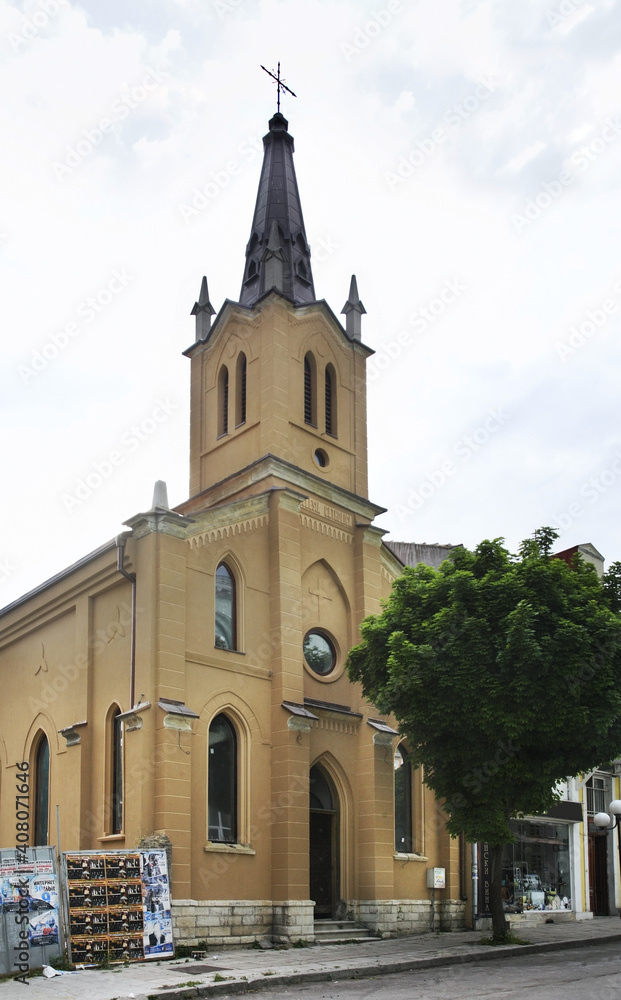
{"type": "Point", "coordinates": [319, 653]}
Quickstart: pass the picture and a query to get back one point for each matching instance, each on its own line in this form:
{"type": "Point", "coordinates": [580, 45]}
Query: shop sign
{"type": "Point", "coordinates": [485, 880]}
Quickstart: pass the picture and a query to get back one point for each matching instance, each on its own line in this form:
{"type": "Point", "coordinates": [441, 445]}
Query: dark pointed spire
{"type": "Point", "coordinates": [273, 259]}
{"type": "Point", "coordinates": [203, 310]}
{"type": "Point", "coordinates": [354, 310]}
{"type": "Point", "coordinates": [278, 255]}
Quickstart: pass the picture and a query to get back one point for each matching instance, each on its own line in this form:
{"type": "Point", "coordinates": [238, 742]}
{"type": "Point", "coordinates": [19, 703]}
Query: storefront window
{"type": "Point", "coordinates": [535, 873]}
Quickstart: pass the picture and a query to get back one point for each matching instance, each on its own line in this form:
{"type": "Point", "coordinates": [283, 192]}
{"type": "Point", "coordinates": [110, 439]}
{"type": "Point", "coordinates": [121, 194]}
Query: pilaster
{"type": "Point", "coordinates": [163, 773]}
{"type": "Point", "coordinates": [85, 751]}
{"type": "Point", "coordinates": [197, 418]}
{"type": "Point", "coordinates": [375, 819]}
{"type": "Point", "coordinates": [290, 748]}
{"type": "Point", "coordinates": [361, 478]}
{"type": "Point", "coordinates": [367, 571]}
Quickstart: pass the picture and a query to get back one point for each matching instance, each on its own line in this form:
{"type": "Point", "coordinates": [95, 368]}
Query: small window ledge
{"type": "Point", "coordinates": [111, 837]}
{"type": "Point", "coordinates": [215, 848]}
{"type": "Point", "coordinates": [399, 856]}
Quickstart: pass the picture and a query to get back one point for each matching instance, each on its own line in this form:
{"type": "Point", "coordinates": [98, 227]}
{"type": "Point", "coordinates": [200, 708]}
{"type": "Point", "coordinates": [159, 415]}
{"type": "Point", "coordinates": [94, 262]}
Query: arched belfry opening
{"type": "Point", "coordinates": [324, 835]}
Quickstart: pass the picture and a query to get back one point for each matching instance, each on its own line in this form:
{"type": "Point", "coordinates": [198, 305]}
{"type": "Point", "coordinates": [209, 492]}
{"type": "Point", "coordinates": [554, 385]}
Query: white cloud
{"type": "Point", "coordinates": [353, 120]}
{"type": "Point", "coordinates": [405, 102]}
{"type": "Point", "coordinates": [530, 153]}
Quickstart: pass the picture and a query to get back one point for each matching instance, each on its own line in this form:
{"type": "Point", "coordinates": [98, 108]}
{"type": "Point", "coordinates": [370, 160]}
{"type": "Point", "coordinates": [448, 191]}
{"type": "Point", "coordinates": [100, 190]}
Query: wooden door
{"type": "Point", "coordinates": [322, 863]}
{"type": "Point", "coordinates": [598, 875]}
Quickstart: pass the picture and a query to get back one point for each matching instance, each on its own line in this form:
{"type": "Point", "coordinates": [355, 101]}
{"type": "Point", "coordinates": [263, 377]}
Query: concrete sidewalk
{"type": "Point", "coordinates": [241, 969]}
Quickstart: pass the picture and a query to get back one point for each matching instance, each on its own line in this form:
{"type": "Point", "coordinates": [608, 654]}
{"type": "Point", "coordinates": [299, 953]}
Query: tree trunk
{"type": "Point", "coordinates": [500, 924]}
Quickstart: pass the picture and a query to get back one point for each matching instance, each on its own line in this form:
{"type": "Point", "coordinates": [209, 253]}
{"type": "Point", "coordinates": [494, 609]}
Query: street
{"type": "Point", "coordinates": [592, 973]}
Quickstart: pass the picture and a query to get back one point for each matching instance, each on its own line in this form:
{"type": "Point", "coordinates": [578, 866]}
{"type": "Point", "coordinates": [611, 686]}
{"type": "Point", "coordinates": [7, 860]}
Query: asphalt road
{"type": "Point", "coordinates": [592, 973]}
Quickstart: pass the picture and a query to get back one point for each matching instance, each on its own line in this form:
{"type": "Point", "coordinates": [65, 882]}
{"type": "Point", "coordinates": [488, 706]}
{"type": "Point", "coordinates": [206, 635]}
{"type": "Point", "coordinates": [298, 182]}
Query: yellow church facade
{"type": "Point", "coordinates": [187, 680]}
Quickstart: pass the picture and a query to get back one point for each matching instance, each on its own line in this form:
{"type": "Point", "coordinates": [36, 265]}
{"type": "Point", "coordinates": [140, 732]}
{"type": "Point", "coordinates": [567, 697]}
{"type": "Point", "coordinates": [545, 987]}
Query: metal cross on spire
{"type": "Point", "coordinates": [281, 86]}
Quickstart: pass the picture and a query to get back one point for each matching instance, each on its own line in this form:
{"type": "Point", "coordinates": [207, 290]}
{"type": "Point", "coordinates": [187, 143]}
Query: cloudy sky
{"type": "Point", "coordinates": [462, 159]}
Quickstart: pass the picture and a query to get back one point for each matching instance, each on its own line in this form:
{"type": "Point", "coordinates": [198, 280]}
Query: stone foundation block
{"type": "Point", "coordinates": [399, 917]}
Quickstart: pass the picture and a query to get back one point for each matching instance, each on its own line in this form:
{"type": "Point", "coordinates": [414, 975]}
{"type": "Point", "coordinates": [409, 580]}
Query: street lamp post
{"type": "Point", "coordinates": [603, 820]}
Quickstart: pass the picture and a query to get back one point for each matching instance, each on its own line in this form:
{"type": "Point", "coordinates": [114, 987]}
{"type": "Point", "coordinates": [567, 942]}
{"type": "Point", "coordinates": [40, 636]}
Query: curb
{"type": "Point", "coordinates": [238, 986]}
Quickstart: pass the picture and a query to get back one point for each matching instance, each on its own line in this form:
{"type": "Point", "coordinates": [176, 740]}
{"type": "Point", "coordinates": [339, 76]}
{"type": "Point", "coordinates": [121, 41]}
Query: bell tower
{"type": "Point", "coordinates": [278, 384]}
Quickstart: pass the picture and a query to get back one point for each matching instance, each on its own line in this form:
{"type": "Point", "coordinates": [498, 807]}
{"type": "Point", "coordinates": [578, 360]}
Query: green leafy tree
{"type": "Point", "coordinates": [504, 673]}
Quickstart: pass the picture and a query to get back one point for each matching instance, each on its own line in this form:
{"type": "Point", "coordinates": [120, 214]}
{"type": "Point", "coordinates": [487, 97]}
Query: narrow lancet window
{"type": "Point", "coordinates": [330, 400]}
{"type": "Point", "coordinates": [310, 391]}
{"type": "Point", "coordinates": [116, 772]}
{"type": "Point", "coordinates": [42, 792]}
{"type": "Point", "coordinates": [403, 801]}
{"type": "Point", "coordinates": [222, 782]}
{"type": "Point", "coordinates": [225, 632]}
{"type": "Point", "coordinates": [240, 408]}
{"type": "Point", "coordinates": [223, 401]}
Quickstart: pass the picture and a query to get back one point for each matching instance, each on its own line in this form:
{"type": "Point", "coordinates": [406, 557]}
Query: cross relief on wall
{"type": "Point", "coordinates": [318, 598]}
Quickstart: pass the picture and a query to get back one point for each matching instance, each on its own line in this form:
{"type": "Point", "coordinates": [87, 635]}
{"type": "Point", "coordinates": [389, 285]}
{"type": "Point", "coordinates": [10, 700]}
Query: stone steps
{"type": "Point", "coordinates": [341, 932]}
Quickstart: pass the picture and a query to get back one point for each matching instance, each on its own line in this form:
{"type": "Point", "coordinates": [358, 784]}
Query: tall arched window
{"type": "Point", "coordinates": [310, 390]}
{"type": "Point", "coordinates": [330, 400]}
{"type": "Point", "coordinates": [222, 782]}
{"type": "Point", "coordinates": [41, 792]}
{"type": "Point", "coordinates": [116, 772]}
{"type": "Point", "coordinates": [403, 801]}
{"type": "Point", "coordinates": [226, 610]}
{"type": "Point", "coordinates": [240, 391]}
{"type": "Point", "coordinates": [223, 401]}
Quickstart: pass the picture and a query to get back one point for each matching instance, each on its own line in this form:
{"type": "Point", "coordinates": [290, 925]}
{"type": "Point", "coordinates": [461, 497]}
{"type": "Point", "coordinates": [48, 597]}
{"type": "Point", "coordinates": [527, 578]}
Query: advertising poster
{"type": "Point", "coordinates": [42, 897]}
{"type": "Point", "coordinates": [119, 906]}
{"type": "Point", "coordinates": [158, 940]}
{"type": "Point", "coordinates": [30, 934]}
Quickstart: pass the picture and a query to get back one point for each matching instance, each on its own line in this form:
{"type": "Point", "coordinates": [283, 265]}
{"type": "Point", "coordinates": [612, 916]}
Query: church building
{"type": "Point", "coordinates": [186, 681]}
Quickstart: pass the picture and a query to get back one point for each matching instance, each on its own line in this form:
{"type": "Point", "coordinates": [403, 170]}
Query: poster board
{"type": "Point", "coordinates": [29, 898]}
{"type": "Point", "coordinates": [119, 905]}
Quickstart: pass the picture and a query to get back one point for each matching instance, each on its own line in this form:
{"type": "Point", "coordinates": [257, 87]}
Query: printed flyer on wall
{"type": "Point", "coordinates": [158, 938]}
{"type": "Point", "coordinates": [42, 894]}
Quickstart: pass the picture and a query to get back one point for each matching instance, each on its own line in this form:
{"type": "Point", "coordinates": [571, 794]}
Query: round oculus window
{"type": "Point", "coordinates": [319, 653]}
{"type": "Point", "coordinates": [321, 458]}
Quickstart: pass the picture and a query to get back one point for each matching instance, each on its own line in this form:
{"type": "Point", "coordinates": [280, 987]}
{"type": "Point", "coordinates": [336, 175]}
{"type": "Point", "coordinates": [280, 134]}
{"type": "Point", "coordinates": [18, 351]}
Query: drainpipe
{"type": "Point", "coordinates": [120, 557]}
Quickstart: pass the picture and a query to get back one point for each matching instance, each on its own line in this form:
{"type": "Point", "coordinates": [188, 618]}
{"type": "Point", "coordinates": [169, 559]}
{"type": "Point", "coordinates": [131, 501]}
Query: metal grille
{"type": "Point", "coordinates": [328, 402]}
{"type": "Point", "coordinates": [308, 392]}
{"type": "Point", "coordinates": [225, 403]}
{"type": "Point", "coordinates": [242, 398]}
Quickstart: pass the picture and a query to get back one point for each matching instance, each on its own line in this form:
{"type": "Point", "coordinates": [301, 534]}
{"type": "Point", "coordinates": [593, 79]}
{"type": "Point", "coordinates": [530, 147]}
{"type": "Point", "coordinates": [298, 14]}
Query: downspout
{"type": "Point", "coordinates": [120, 557]}
{"type": "Point", "coordinates": [475, 884]}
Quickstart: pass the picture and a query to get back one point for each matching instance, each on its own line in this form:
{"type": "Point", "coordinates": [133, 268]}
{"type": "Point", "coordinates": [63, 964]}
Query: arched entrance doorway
{"type": "Point", "coordinates": [324, 841]}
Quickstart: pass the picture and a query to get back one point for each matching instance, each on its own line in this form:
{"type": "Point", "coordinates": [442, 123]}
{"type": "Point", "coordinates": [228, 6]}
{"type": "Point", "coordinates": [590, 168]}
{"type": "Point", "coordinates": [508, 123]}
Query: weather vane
{"type": "Point", "coordinates": [281, 86]}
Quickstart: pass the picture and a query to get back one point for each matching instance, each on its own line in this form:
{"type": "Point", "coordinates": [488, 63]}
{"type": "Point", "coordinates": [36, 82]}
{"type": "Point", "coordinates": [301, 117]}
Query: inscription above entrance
{"type": "Point", "coordinates": [330, 513]}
